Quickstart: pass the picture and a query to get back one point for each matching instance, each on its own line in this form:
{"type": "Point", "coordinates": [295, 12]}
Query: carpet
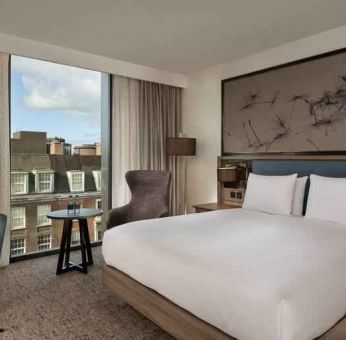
{"type": "Point", "coordinates": [37, 304]}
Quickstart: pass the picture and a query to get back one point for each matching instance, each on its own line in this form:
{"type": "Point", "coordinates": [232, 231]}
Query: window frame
{"type": "Point", "coordinates": [25, 182]}
{"type": "Point", "coordinates": [70, 180]}
{"type": "Point", "coordinates": [23, 226]}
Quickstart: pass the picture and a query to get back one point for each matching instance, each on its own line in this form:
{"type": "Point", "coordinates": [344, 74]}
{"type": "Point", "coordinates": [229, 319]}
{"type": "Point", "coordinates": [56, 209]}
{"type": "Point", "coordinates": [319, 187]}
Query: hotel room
{"type": "Point", "coordinates": [173, 169]}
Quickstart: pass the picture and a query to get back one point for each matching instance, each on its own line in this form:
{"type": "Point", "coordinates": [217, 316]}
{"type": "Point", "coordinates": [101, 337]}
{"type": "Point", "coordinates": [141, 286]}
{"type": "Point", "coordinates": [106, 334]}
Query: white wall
{"type": "Point", "coordinates": [34, 49]}
{"type": "Point", "coordinates": [202, 104]}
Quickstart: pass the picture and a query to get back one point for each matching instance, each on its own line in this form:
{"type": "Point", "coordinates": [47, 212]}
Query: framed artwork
{"type": "Point", "coordinates": [299, 107]}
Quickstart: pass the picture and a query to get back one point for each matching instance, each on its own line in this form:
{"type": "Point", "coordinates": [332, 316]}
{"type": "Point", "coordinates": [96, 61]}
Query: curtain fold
{"type": "Point", "coordinates": [154, 111]}
{"type": "Point", "coordinates": [5, 179]}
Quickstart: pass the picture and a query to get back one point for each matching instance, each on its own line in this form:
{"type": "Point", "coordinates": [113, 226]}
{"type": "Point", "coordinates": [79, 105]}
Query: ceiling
{"type": "Point", "coordinates": [175, 35]}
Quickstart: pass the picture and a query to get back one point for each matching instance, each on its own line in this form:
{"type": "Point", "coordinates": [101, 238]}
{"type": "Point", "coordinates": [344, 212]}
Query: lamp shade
{"type": "Point", "coordinates": [227, 174]}
{"type": "Point", "coordinates": [181, 146]}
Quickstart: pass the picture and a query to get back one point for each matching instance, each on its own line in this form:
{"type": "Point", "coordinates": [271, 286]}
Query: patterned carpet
{"type": "Point", "coordinates": [37, 304]}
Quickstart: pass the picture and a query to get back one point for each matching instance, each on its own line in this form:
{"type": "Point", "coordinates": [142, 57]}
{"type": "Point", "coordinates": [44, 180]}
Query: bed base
{"type": "Point", "coordinates": [175, 320]}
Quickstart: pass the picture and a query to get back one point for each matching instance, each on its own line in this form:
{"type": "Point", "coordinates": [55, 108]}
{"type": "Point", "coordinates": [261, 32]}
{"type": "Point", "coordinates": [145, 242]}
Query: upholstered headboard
{"type": "Point", "coordinates": [327, 168]}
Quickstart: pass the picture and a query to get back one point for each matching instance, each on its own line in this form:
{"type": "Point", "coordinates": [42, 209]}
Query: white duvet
{"type": "Point", "coordinates": [251, 274]}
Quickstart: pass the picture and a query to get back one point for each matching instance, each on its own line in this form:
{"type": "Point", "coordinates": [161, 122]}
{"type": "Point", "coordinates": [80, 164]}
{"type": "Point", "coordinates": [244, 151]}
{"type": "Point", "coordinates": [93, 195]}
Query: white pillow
{"type": "Point", "coordinates": [327, 198]}
{"type": "Point", "coordinates": [298, 197]}
{"type": "Point", "coordinates": [271, 194]}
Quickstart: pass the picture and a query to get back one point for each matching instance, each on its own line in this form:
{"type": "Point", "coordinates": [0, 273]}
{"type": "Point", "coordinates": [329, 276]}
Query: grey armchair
{"type": "Point", "coordinates": [3, 221]}
{"type": "Point", "coordinates": [150, 197]}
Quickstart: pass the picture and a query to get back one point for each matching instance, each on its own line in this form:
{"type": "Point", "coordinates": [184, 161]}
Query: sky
{"type": "Point", "coordinates": [61, 100]}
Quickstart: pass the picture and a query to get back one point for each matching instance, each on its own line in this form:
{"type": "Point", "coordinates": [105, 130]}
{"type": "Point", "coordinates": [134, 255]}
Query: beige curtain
{"type": "Point", "coordinates": [144, 115]}
{"type": "Point", "coordinates": [5, 153]}
{"type": "Point", "coordinates": [125, 135]}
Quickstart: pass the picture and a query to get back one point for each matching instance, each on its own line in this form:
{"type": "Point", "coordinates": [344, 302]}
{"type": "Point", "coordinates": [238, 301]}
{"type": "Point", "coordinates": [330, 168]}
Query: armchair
{"type": "Point", "coordinates": [150, 197]}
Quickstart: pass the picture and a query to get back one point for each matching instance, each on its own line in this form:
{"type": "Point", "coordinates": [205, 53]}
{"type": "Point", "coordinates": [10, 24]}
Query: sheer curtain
{"type": "Point", "coordinates": [125, 135]}
{"type": "Point", "coordinates": [144, 115]}
{"type": "Point", "coordinates": [5, 179]}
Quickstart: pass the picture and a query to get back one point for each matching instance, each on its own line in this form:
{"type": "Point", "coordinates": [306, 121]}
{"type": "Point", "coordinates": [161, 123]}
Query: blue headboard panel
{"type": "Point", "coordinates": [301, 167]}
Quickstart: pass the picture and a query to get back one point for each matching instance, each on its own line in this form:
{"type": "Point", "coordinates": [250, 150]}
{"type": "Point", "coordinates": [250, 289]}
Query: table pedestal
{"type": "Point", "coordinates": [64, 264]}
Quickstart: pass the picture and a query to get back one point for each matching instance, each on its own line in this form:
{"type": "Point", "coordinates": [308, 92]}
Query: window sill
{"type": "Point", "coordinates": [48, 224]}
{"type": "Point", "coordinates": [18, 228]}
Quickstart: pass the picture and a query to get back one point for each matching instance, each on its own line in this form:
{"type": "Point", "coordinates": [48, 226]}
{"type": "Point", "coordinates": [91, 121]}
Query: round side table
{"type": "Point", "coordinates": [65, 244]}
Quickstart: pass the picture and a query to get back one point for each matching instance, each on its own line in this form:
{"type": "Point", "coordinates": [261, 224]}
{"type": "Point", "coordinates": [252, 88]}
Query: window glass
{"type": "Point", "coordinates": [17, 246]}
{"type": "Point", "coordinates": [19, 183]}
{"type": "Point", "coordinates": [44, 182]}
{"type": "Point", "coordinates": [17, 217]}
{"type": "Point", "coordinates": [75, 237]}
{"type": "Point", "coordinates": [44, 241]}
{"type": "Point", "coordinates": [42, 211]}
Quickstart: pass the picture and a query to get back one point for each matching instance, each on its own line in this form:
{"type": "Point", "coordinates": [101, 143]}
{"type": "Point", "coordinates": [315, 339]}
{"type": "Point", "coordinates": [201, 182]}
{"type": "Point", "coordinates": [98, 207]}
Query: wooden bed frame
{"type": "Point", "coordinates": [175, 320]}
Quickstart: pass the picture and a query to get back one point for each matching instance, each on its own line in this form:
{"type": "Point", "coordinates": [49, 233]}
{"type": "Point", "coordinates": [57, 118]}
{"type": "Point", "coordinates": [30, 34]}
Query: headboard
{"type": "Point", "coordinates": [329, 168]}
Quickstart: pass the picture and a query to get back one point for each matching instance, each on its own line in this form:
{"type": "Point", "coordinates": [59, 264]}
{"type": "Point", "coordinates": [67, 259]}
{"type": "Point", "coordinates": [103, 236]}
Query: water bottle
{"type": "Point", "coordinates": [70, 206]}
{"type": "Point", "coordinates": [77, 204]}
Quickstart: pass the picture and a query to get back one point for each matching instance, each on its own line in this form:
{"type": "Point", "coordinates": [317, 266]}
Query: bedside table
{"type": "Point", "coordinates": [213, 206]}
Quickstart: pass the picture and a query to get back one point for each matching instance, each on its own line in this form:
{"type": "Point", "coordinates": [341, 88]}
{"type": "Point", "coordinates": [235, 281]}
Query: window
{"type": "Point", "coordinates": [76, 180]}
{"type": "Point", "coordinates": [44, 181]}
{"type": "Point", "coordinates": [17, 217]}
{"type": "Point", "coordinates": [75, 237]}
{"type": "Point", "coordinates": [67, 149]}
{"type": "Point", "coordinates": [97, 231]}
{"type": "Point", "coordinates": [98, 203]}
{"type": "Point", "coordinates": [45, 167]}
{"type": "Point", "coordinates": [44, 241]}
{"type": "Point", "coordinates": [42, 211]}
{"type": "Point", "coordinates": [18, 246]}
{"type": "Point", "coordinates": [97, 178]}
{"type": "Point", "coordinates": [19, 182]}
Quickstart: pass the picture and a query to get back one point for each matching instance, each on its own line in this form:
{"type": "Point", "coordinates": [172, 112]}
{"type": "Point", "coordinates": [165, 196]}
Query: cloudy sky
{"type": "Point", "coordinates": [64, 101]}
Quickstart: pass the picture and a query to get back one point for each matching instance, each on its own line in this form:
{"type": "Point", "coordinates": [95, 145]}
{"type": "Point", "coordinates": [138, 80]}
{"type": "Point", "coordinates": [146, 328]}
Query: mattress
{"type": "Point", "coordinates": [252, 275]}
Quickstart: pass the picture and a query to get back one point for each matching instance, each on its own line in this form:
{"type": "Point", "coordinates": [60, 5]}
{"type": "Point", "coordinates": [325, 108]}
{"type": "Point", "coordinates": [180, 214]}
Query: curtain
{"type": "Point", "coordinates": [125, 135]}
{"type": "Point", "coordinates": [160, 117]}
{"type": "Point", "coordinates": [5, 179]}
{"type": "Point", "coordinates": [151, 112]}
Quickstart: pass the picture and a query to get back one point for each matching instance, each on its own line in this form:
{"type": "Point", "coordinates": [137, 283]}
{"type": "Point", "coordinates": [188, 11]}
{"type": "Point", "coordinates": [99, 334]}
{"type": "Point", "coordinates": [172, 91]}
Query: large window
{"type": "Point", "coordinates": [55, 149]}
{"type": "Point", "coordinates": [19, 182]}
{"type": "Point", "coordinates": [42, 211]}
{"type": "Point", "coordinates": [17, 217]}
{"type": "Point", "coordinates": [76, 181]}
{"type": "Point", "coordinates": [44, 181]}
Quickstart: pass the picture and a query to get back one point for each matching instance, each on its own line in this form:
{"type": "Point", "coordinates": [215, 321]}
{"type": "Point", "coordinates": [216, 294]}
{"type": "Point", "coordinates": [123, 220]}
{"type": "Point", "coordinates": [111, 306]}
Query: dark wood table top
{"type": "Point", "coordinates": [83, 214]}
{"type": "Point", "coordinates": [214, 206]}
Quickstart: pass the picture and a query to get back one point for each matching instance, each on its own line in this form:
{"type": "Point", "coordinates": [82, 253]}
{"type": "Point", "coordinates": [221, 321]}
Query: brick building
{"type": "Point", "coordinates": [44, 173]}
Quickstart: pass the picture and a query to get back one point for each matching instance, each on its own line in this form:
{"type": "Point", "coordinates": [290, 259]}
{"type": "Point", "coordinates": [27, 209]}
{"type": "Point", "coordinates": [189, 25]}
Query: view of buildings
{"type": "Point", "coordinates": [48, 100]}
{"type": "Point", "coordinates": [44, 173]}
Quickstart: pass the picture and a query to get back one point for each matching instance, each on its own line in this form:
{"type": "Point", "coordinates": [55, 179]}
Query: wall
{"type": "Point", "coordinates": [34, 49]}
{"type": "Point", "coordinates": [202, 104]}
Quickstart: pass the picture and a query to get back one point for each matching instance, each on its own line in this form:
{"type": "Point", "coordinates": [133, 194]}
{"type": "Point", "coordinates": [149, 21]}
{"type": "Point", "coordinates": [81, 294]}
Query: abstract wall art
{"type": "Point", "coordinates": [298, 107]}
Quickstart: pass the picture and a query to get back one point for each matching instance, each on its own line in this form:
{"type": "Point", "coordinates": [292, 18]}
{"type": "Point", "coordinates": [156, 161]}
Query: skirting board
{"type": "Point", "coordinates": [173, 319]}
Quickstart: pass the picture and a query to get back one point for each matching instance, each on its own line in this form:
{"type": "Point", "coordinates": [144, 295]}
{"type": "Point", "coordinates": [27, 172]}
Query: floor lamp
{"type": "Point", "coordinates": [182, 146]}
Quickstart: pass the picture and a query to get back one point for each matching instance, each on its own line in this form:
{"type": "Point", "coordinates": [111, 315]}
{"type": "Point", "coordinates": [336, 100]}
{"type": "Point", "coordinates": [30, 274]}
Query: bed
{"type": "Point", "coordinates": [232, 274]}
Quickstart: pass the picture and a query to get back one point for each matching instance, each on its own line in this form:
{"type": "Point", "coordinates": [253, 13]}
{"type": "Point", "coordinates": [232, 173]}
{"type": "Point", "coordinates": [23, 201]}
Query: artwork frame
{"type": "Point", "coordinates": [261, 153]}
